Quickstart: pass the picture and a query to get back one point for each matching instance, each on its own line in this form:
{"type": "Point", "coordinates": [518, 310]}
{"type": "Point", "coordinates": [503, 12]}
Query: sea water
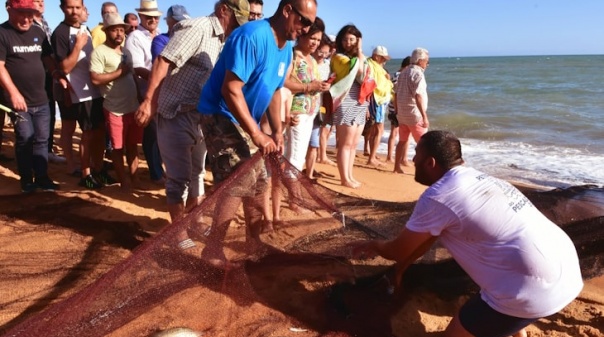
{"type": "Point", "coordinates": [530, 119]}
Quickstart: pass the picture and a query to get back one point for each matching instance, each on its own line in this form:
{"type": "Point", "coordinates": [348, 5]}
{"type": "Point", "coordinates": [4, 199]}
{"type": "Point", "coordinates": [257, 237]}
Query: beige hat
{"type": "Point", "coordinates": [381, 51]}
{"type": "Point", "coordinates": [241, 9]}
{"type": "Point", "coordinates": [149, 8]}
{"type": "Point", "coordinates": [113, 19]}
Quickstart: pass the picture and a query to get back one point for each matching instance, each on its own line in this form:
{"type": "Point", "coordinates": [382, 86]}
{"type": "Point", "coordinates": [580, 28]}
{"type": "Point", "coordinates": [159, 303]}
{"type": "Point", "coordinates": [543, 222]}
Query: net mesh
{"type": "Point", "coordinates": [298, 278]}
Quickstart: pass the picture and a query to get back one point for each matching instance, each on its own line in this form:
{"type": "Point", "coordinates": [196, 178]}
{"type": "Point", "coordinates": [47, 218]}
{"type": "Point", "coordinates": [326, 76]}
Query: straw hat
{"type": "Point", "coordinates": [113, 19]}
{"type": "Point", "coordinates": [149, 8]}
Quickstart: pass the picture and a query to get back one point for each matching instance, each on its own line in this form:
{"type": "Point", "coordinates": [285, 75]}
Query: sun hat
{"type": "Point", "coordinates": [178, 13]}
{"type": "Point", "coordinates": [381, 51]}
{"type": "Point", "coordinates": [241, 9]}
{"type": "Point", "coordinates": [149, 8]}
{"type": "Point", "coordinates": [113, 19]}
{"type": "Point", "coordinates": [22, 5]}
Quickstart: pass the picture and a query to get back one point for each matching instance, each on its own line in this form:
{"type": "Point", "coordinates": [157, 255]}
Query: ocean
{"type": "Point", "coordinates": [537, 120]}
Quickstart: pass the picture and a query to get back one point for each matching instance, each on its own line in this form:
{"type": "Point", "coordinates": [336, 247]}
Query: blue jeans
{"type": "Point", "coordinates": [31, 146]}
{"type": "Point", "coordinates": [151, 151]}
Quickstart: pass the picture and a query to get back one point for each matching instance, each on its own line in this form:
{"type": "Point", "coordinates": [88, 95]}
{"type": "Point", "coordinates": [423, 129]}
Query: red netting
{"type": "Point", "coordinates": [161, 286]}
{"type": "Point", "coordinates": [296, 281]}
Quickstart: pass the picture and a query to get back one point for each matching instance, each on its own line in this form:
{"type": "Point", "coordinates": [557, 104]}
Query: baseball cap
{"type": "Point", "coordinates": [178, 13]}
{"type": "Point", "coordinates": [381, 51]}
{"type": "Point", "coordinates": [22, 5]}
{"type": "Point", "coordinates": [241, 9]}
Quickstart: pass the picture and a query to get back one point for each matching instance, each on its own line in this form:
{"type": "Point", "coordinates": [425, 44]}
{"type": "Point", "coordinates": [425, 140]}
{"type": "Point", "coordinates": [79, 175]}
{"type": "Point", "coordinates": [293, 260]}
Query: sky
{"type": "Point", "coordinates": [447, 28]}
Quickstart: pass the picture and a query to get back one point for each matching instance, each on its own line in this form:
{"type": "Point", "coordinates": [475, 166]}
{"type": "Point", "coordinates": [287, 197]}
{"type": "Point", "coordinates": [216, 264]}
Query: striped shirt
{"type": "Point", "coordinates": [411, 82]}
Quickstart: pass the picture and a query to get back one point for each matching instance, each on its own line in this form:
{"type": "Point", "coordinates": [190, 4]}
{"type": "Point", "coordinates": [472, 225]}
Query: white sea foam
{"type": "Point", "coordinates": [546, 166]}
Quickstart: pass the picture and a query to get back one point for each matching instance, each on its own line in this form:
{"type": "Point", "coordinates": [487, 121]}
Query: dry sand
{"type": "Point", "coordinates": [54, 244]}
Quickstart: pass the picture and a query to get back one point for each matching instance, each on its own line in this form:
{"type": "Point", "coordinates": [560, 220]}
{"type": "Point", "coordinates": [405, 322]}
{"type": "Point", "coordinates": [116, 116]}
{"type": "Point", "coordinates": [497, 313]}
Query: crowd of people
{"type": "Point", "coordinates": [195, 95]}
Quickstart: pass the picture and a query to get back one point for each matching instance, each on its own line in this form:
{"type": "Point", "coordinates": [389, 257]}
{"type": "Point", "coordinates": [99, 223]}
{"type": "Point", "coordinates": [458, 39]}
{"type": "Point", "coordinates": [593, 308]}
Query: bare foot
{"type": "Point", "coordinates": [389, 160]}
{"type": "Point", "coordinates": [351, 184]}
{"type": "Point", "coordinates": [267, 226]}
{"type": "Point", "coordinates": [216, 258]}
{"type": "Point", "coordinates": [299, 210]}
{"type": "Point", "coordinates": [398, 170]}
{"type": "Point", "coordinates": [406, 164]}
{"type": "Point", "coordinates": [375, 163]}
{"type": "Point", "coordinates": [327, 161]}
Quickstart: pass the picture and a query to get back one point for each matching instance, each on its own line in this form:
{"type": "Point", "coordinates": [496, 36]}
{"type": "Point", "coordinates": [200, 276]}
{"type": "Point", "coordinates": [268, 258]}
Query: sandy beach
{"type": "Point", "coordinates": [53, 245]}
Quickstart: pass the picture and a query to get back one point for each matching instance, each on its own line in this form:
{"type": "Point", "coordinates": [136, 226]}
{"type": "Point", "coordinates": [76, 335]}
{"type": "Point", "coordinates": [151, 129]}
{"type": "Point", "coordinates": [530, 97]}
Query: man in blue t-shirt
{"type": "Point", "coordinates": [244, 83]}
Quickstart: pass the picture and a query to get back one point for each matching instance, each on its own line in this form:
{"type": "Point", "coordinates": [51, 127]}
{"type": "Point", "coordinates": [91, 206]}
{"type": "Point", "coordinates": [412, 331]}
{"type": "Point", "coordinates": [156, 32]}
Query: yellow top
{"type": "Point", "coordinates": [98, 35]}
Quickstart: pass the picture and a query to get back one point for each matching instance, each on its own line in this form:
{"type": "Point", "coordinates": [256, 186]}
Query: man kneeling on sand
{"type": "Point", "coordinates": [526, 266]}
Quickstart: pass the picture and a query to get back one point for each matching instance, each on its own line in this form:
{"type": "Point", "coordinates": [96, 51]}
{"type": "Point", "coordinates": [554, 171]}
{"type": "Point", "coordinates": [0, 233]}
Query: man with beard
{"type": "Point", "coordinates": [72, 45]}
{"type": "Point", "coordinates": [111, 70]}
{"type": "Point", "coordinates": [525, 265]}
{"type": "Point", "coordinates": [232, 103]}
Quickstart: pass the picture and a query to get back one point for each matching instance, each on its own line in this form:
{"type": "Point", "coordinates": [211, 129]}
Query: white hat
{"type": "Point", "coordinates": [149, 8]}
{"type": "Point", "coordinates": [381, 51]}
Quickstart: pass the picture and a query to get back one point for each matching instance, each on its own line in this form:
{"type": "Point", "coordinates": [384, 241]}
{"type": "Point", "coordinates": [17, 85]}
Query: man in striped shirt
{"type": "Point", "coordinates": [411, 105]}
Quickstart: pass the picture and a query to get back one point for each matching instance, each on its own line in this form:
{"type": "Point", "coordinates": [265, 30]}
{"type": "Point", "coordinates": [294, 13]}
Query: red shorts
{"type": "Point", "coordinates": [417, 131]}
{"type": "Point", "coordinates": [123, 129]}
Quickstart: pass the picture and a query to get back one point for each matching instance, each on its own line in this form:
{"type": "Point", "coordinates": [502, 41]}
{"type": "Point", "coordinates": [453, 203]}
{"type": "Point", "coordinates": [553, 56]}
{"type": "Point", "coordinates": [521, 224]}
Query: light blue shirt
{"type": "Point", "coordinates": [252, 54]}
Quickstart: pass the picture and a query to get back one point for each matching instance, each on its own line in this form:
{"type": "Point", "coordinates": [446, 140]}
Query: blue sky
{"type": "Point", "coordinates": [445, 27]}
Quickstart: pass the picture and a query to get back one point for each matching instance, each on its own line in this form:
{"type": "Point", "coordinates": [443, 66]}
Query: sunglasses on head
{"type": "Point", "coordinates": [306, 22]}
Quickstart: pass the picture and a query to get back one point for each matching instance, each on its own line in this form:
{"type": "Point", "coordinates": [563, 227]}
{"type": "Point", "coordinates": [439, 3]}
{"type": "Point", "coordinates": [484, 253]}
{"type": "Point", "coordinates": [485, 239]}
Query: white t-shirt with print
{"type": "Point", "coordinates": [525, 265]}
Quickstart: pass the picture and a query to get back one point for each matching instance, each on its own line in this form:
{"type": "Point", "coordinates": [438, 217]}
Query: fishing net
{"type": "Point", "coordinates": [160, 285]}
{"type": "Point", "coordinates": [297, 278]}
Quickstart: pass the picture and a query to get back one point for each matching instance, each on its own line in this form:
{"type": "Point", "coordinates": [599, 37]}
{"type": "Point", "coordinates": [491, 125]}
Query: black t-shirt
{"type": "Point", "coordinates": [22, 53]}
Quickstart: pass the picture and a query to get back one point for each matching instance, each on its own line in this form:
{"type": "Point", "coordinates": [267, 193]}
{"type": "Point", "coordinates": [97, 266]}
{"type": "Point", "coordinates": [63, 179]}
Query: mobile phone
{"type": "Point", "coordinates": [331, 78]}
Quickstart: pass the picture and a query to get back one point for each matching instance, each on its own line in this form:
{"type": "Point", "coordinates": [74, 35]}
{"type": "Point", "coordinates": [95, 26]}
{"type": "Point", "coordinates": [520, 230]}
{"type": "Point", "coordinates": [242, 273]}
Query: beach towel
{"type": "Point", "coordinates": [383, 86]}
{"type": "Point", "coordinates": [346, 70]}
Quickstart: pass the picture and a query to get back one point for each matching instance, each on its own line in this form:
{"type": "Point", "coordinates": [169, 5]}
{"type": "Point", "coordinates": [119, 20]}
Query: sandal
{"type": "Point", "coordinates": [186, 244]}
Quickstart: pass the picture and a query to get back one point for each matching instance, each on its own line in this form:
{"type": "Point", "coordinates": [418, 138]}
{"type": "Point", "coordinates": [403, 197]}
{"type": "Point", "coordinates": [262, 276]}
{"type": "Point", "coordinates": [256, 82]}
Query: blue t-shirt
{"type": "Point", "coordinates": [252, 54]}
{"type": "Point", "coordinates": [158, 44]}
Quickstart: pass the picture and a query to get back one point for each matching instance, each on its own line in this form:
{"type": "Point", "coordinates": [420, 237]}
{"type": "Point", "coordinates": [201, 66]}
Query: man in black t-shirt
{"type": "Point", "coordinates": [22, 74]}
{"type": "Point", "coordinates": [72, 46]}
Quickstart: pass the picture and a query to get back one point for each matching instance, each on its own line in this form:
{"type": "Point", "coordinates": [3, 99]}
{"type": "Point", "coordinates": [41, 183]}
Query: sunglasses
{"type": "Point", "coordinates": [306, 22]}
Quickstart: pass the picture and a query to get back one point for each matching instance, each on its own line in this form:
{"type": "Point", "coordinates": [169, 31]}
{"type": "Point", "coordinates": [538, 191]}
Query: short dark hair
{"type": "Point", "coordinates": [444, 147]}
{"type": "Point", "coordinates": [129, 15]}
{"type": "Point", "coordinates": [259, 2]}
{"type": "Point", "coordinates": [326, 41]}
{"type": "Point", "coordinates": [406, 62]}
